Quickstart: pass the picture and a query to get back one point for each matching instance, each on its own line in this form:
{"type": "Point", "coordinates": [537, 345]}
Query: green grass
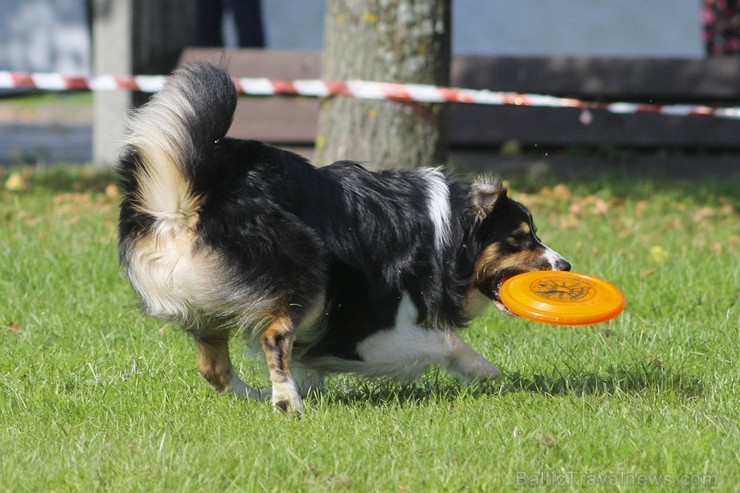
{"type": "Point", "coordinates": [41, 100]}
{"type": "Point", "coordinates": [95, 396]}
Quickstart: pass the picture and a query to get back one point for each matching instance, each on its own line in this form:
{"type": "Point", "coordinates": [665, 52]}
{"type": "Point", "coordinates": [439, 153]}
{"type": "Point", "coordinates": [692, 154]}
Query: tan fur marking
{"type": "Point", "coordinates": [523, 229]}
{"type": "Point", "coordinates": [491, 260]}
{"type": "Point", "coordinates": [277, 343]}
{"type": "Point", "coordinates": [214, 362]}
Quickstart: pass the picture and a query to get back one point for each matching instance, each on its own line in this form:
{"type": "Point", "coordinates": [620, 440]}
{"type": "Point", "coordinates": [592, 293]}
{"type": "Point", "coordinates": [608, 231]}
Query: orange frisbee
{"type": "Point", "coordinates": [562, 298]}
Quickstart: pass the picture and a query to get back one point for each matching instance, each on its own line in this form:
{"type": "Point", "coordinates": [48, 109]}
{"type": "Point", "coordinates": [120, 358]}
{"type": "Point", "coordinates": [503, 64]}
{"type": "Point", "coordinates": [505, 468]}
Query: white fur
{"type": "Point", "coordinates": [407, 349]}
{"type": "Point", "coordinates": [553, 257]}
{"type": "Point", "coordinates": [173, 276]}
{"type": "Point", "coordinates": [287, 393]}
{"type": "Point", "coordinates": [438, 205]}
{"type": "Point", "coordinates": [175, 281]}
{"type": "Point", "coordinates": [163, 145]}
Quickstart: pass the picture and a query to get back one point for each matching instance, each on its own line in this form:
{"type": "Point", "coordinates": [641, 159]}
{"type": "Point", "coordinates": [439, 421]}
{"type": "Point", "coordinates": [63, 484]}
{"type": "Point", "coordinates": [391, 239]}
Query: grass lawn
{"type": "Point", "coordinates": [95, 396]}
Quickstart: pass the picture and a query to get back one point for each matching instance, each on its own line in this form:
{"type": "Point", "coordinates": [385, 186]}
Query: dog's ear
{"type": "Point", "coordinates": [485, 196]}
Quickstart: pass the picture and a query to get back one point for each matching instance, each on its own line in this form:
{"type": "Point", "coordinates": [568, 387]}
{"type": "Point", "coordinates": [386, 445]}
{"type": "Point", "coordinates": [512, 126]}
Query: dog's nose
{"type": "Point", "coordinates": [562, 264]}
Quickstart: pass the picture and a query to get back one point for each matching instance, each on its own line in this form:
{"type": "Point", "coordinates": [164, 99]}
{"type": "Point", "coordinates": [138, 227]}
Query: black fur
{"type": "Point", "coordinates": [293, 232]}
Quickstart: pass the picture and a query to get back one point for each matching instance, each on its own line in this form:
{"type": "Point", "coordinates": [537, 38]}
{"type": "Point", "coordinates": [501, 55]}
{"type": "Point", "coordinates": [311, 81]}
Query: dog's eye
{"type": "Point", "coordinates": [517, 240]}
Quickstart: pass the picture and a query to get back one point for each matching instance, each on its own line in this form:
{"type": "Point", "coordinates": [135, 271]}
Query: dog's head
{"type": "Point", "coordinates": [509, 239]}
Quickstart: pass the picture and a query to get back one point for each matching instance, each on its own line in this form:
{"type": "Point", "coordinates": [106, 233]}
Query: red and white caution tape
{"type": "Point", "coordinates": [316, 88]}
{"type": "Point", "coordinates": [58, 82]}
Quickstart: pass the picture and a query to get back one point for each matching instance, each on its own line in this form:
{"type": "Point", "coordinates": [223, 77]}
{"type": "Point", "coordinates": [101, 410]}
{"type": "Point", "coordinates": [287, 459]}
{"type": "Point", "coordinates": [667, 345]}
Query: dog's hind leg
{"type": "Point", "coordinates": [277, 343]}
{"type": "Point", "coordinates": [214, 363]}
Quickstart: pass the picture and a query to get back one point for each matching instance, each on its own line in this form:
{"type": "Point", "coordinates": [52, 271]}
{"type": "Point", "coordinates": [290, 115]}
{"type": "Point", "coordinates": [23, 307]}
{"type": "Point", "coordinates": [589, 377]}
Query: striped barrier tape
{"type": "Point", "coordinates": [316, 88]}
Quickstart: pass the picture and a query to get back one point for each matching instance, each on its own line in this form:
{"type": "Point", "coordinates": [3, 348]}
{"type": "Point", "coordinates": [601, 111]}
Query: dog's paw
{"type": "Point", "coordinates": [285, 399]}
{"type": "Point", "coordinates": [487, 371]}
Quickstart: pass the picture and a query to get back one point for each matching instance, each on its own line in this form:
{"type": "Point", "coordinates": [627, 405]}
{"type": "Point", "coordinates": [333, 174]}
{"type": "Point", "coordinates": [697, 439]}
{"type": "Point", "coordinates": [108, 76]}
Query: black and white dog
{"type": "Point", "coordinates": [333, 269]}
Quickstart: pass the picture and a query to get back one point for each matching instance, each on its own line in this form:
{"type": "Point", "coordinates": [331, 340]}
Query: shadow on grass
{"type": "Point", "coordinates": [616, 381]}
{"type": "Point", "coordinates": [435, 387]}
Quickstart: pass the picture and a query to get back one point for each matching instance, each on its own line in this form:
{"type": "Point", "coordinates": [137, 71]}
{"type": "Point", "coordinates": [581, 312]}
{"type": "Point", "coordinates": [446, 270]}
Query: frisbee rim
{"type": "Point", "coordinates": [608, 302]}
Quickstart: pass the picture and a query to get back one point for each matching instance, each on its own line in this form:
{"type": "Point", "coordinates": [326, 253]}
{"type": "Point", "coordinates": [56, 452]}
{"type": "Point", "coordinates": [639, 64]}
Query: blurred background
{"type": "Point", "coordinates": [53, 35]}
{"type": "Point", "coordinates": [659, 52]}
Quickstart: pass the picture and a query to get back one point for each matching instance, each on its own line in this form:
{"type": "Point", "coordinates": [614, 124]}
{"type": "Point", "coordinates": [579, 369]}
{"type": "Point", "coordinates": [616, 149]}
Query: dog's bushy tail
{"type": "Point", "coordinates": [170, 138]}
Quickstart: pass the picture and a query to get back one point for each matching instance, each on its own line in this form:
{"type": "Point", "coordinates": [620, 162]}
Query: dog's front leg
{"type": "Point", "coordinates": [277, 343]}
{"type": "Point", "coordinates": [468, 364]}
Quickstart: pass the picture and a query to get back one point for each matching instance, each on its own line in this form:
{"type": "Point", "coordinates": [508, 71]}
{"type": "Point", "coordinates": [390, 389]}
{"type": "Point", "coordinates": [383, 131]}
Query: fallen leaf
{"type": "Point", "coordinates": [703, 213]}
{"type": "Point", "coordinates": [640, 207]}
{"type": "Point", "coordinates": [545, 441]}
{"type": "Point", "coordinates": [601, 207]}
{"type": "Point", "coordinates": [111, 191]}
{"type": "Point", "coordinates": [18, 182]}
{"type": "Point", "coordinates": [658, 254]}
{"type": "Point", "coordinates": [561, 191]}
{"type": "Point", "coordinates": [569, 222]}
{"type": "Point", "coordinates": [657, 364]}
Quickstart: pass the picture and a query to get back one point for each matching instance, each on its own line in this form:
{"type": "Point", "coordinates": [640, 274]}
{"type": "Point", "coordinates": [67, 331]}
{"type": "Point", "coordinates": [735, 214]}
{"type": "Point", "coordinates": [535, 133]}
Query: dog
{"type": "Point", "coordinates": [330, 269]}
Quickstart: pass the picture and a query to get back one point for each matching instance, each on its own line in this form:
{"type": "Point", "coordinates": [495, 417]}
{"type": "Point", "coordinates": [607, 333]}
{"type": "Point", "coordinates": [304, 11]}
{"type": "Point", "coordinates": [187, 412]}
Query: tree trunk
{"type": "Point", "coordinates": [387, 41]}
